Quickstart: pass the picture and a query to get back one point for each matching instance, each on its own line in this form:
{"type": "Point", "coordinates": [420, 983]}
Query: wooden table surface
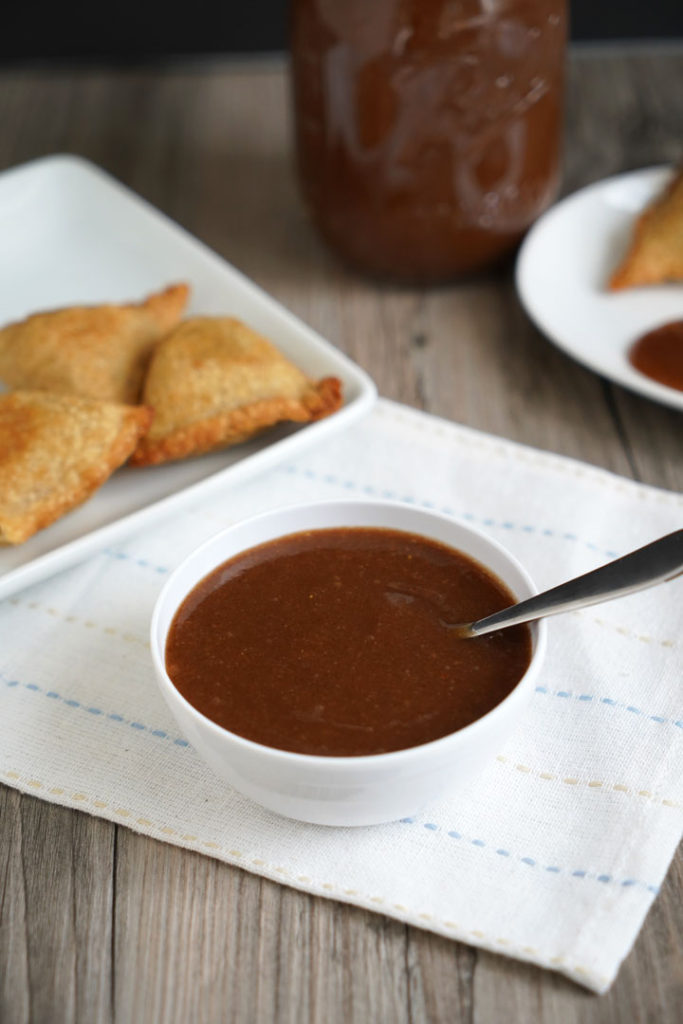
{"type": "Point", "coordinates": [100, 924]}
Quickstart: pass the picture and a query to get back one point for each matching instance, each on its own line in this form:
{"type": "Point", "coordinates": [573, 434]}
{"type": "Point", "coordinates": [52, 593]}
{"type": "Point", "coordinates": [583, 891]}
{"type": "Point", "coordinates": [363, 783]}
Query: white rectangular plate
{"type": "Point", "coordinates": [71, 235]}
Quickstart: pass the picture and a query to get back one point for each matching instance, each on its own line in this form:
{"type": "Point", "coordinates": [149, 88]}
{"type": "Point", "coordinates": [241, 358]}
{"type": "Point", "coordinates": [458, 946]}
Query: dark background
{"type": "Point", "coordinates": [131, 30]}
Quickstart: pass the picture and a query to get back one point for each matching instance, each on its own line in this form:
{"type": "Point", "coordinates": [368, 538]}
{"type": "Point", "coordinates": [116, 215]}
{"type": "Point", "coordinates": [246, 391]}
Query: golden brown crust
{"type": "Point", "coordinates": [55, 451]}
{"type": "Point", "coordinates": [97, 351]}
{"type": "Point", "coordinates": [655, 254]}
{"type": "Point", "coordinates": [214, 382]}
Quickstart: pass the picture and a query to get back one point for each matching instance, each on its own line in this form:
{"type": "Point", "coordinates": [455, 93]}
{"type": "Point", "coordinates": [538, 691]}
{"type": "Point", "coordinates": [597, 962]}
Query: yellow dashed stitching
{"type": "Point", "coordinates": [623, 631]}
{"type": "Point", "coordinates": [618, 787]}
{"type": "Point", "coordinates": [329, 887]}
{"type": "Point", "coordinates": [86, 623]}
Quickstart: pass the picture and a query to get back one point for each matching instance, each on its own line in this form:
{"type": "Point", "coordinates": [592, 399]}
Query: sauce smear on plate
{"type": "Point", "coordinates": [659, 354]}
{"type": "Point", "coordinates": [336, 642]}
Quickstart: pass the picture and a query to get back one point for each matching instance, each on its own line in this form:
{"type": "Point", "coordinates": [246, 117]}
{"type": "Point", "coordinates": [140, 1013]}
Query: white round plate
{"type": "Point", "coordinates": [562, 271]}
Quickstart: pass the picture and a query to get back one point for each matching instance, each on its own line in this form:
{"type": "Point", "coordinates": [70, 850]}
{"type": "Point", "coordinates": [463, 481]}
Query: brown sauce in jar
{"type": "Point", "coordinates": [336, 642]}
{"type": "Point", "coordinates": [659, 354]}
{"type": "Point", "coordinates": [428, 132]}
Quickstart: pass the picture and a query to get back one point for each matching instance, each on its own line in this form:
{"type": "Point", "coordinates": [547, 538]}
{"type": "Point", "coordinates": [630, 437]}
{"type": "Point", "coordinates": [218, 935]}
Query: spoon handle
{"type": "Point", "coordinates": [654, 563]}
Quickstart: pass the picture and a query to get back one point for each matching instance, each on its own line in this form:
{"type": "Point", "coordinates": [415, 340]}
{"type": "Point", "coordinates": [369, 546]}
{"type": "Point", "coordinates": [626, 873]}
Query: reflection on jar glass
{"type": "Point", "coordinates": [428, 131]}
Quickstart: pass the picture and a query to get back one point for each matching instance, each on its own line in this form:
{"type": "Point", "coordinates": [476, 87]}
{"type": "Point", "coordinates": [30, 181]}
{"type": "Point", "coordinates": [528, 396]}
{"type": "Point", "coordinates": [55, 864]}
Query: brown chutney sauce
{"type": "Point", "coordinates": [428, 132]}
{"type": "Point", "coordinates": [659, 354]}
{"type": "Point", "coordinates": [336, 642]}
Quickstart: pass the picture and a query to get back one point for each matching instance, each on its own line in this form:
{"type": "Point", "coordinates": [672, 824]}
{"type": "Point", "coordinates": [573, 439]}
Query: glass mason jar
{"type": "Point", "coordinates": [428, 132]}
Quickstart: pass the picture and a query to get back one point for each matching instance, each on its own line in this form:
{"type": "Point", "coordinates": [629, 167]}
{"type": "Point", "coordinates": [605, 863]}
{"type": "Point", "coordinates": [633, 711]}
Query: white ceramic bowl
{"type": "Point", "coordinates": [344, 790]}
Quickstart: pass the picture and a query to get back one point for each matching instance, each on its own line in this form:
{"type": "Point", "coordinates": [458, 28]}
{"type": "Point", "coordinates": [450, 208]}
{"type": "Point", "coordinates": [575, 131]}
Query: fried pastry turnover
{"type": "Point", "coordinates": [214, 382]}
{"type": "Point", "coordinates": [55, 451]}
{"type": "Point", "coordinates": [655, 254]}
{"type": "Point", "coordinates": [95, 351]}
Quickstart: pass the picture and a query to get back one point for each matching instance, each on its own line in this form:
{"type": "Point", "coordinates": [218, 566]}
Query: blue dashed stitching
{"type": "Point", "coordinates": [408, 499]}
{"type": "Point", "coordinates": [121, 556]}
{"type": "Point", "coordinates": [68, 702]}
{"type": "Point", "coordinates": [553, 869]}
{"type": "Point", "coordinates": [610, 702]}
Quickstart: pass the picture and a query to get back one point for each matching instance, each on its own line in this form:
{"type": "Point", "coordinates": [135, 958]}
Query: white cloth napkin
{"type": "Point", "coordinates": [554, 856]}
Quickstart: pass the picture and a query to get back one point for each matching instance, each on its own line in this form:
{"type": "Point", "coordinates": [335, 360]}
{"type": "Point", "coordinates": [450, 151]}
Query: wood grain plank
{"type": "Point", "coordinates": [623, 112]}
{"type": "Point", "coordinates": [14, 966]}
{"type": "Point", "coordinates": [55, 913]}
{"type": "Point", "coordinates": [199, 940]}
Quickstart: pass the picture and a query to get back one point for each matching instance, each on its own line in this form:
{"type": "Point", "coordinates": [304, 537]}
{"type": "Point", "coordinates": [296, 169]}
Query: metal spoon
{"type": "Point", "coordinates": [654, 563]}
